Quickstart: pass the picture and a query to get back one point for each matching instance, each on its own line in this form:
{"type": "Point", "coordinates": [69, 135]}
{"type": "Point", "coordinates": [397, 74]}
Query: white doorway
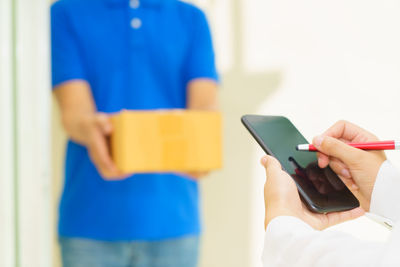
{"type": "Point", "coordinates": [25, 134]}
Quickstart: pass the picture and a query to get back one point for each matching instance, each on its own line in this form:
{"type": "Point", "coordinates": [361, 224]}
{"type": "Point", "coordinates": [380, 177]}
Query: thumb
{"type": "Point", "coordinates": [335, 148]}
{"type": "Point", "coordinates": [271, 165]}
{"type": "Point", "coordinates": [104, 123]}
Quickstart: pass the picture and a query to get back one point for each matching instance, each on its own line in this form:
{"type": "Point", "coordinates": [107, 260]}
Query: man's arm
{"type": "Point", "coordinates": [84, 125]}
{"type": "Point", "coordinates": [291, 242]}
{"type": "Point", "coordinates": [202, 95]}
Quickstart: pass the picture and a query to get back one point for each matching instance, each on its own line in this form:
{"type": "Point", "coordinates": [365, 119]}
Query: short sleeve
{"type": "Point", "coordinates": [66, 58]}
{"type": "Point", "coordinates": [201, 56]}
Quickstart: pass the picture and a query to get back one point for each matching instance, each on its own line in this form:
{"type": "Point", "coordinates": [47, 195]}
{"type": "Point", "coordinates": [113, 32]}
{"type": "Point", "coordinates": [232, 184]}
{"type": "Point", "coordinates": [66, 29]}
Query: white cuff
{"type": "Point", "coordinates": [385, 199]}
{"type": "Point", "coordinates": [280, 232]}
{"type": "Point", "coordinates": [285, 224]}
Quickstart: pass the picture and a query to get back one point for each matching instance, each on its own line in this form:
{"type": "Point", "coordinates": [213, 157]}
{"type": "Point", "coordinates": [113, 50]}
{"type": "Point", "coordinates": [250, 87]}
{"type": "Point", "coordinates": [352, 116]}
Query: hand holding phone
{"type": "Point", "coordinates": [282, 199]}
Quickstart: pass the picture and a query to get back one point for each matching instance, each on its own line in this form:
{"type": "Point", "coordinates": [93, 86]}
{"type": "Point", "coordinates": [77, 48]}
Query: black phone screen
{"type": "Point", "coordinates": [321, 189]}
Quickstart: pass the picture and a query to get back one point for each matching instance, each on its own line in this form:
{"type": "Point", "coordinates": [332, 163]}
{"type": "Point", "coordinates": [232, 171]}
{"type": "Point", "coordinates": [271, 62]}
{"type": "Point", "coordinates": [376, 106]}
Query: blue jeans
{"type": "Point", "coordinates": [181, 252]}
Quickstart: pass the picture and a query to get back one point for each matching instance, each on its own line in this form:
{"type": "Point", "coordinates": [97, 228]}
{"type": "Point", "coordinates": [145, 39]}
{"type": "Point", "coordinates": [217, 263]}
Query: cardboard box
{"type": "Point", "coordinates": [167, 141]}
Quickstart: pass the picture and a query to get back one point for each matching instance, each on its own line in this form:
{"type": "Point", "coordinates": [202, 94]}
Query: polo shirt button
{"type": "Point", "coordinates": [136, 23]}
{"type": "Point", "coordinates": [134, 4]}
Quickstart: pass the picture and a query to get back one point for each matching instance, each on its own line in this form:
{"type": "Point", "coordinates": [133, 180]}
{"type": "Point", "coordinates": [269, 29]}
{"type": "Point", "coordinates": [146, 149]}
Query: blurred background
{"type": "Point", "coordinates": [313, 61]}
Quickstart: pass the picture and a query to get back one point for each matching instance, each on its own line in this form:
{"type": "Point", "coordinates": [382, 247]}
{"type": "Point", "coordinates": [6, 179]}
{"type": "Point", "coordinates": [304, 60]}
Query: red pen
{"type": "Point", "coordinates": [380, 145]}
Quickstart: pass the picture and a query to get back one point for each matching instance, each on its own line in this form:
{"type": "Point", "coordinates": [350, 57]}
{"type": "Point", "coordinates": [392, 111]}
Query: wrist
{"type": "Point", "coordinates": [369, 186]}
{"type": "Point", "coordinates": [79, 126]}
{"type": "Point", "coordinates": [274, 211]}
{"type": "Point", "coordinates": [87, 125]}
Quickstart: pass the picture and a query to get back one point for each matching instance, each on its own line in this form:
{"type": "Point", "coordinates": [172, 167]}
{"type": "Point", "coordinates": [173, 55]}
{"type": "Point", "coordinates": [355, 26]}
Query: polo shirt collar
{"type": "Point", "coordinates": [145, 3]}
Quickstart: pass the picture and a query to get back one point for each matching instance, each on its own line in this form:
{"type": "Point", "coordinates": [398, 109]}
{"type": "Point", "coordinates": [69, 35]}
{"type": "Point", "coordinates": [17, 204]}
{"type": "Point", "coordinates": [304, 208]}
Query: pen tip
{"type": "Point", "coordinates": [297, 148]}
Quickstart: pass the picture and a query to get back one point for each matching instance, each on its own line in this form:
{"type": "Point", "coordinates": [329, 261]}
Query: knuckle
{"type": "Point", "coordinates": [374, 137]}
{"type": "Point", "coordinates": [326, 143]}
{"type": "Point", "coordinates": [103, 162]}
{"type": "Point", "coordinates": [102, 118]}
{"type": "Point", "coordinates": [341, 122]}
{"type": "Point", "coordinates": [90, 120]}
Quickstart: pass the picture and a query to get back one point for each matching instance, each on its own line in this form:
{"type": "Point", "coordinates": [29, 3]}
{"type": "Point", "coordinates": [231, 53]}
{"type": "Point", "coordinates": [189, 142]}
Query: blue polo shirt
{"type": "Point", "coordinates": [136, 55]}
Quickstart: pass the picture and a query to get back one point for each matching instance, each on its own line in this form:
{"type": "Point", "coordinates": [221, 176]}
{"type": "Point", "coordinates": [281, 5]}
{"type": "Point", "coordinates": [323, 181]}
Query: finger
{"type": "Point", "coordinates": [350, 132]}
{"type": "Point", "coordinates": [197, 175]}
{"type": "Point", "coordinates": [106, 169]}
{"type": "Point", "coordinates": [101, 156]}
{"type": "Point", "coordinates": [193, 175]}
{"type": "Point", "coordinates": [339, 168]}
{"type": "Point", "coordinates": [334, 218]}
{"type": "Point", "coordinates": [323, 160]}
{"type": "Point", "coordinates": [343, 130]}
{"type": "Point", "coordinates": [335, 148]}
{"type": "Point", "coordinates": [344, 173]}
{"type": "Point", "coordinates": [116, 176]}
{"type": "Point", "coordinates": [104, 123]}
{"type": "Point", "coordinates": [349, 182]}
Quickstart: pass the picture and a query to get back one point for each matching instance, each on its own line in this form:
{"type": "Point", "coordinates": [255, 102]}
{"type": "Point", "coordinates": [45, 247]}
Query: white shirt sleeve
{"type": "Point", "coordinates": [385, 200]}
{"type": "Point", "coordinates": [291, 242]}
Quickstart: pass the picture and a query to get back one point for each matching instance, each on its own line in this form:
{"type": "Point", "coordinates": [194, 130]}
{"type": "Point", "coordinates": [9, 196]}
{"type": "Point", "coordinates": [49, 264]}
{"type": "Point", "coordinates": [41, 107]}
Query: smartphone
{"type": "Point", "coordinates": [320, 189]}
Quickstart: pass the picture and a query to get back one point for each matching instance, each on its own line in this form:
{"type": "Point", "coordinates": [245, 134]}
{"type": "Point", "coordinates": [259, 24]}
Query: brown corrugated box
{"type": "Point", "coordinates": [167, 141]}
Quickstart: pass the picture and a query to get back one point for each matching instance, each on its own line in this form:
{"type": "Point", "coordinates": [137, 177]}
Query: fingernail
{"type": "Point", "coordinates": [345, 173]}
{"type": "Point", "coordinates": [264, 160]}
{"type": "Point", "coordinates": [319, 162]}
{"type": "Point", "coordinates": [318, 140]}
